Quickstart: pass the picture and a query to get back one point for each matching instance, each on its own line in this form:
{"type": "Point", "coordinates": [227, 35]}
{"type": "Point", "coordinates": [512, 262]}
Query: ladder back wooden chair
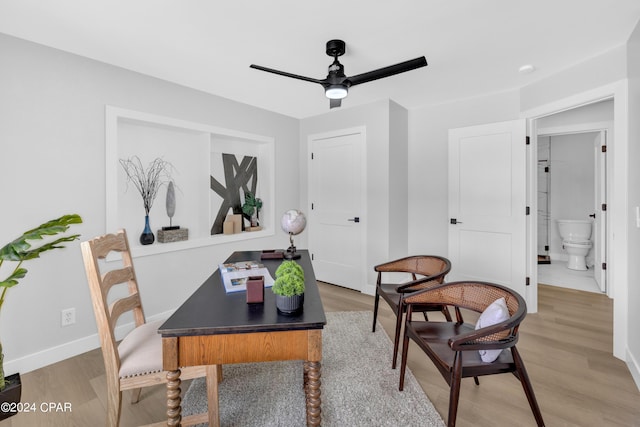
{"type": "Point", "coordinates": [137, 361]}
{"type": "Point", "coordinates": [460, 350]}
{"type": "Point", "coordinates": [426, 271]}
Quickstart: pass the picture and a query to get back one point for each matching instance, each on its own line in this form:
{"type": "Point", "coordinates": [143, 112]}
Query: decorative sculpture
{"type": "Point", "coordinates": [172, 233]}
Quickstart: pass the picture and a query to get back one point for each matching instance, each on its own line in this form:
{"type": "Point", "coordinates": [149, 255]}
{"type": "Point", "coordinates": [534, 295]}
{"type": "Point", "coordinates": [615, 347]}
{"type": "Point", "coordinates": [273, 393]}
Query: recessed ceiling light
{"type": "Point", "coordinates": [526, 69]}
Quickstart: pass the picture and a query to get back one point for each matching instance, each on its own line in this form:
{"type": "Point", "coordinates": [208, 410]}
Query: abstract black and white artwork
{"type": "Point", "coordinates": [231, 178]}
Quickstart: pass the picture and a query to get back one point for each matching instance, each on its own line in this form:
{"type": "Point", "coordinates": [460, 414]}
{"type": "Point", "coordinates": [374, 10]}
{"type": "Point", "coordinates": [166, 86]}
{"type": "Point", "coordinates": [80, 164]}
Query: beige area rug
{"type": "Point", "coordinates": [359, 388]}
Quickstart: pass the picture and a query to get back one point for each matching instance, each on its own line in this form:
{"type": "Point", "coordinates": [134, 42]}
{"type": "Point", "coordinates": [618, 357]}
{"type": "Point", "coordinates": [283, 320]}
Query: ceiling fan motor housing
{"type": "Point", "coordinates": [336, 48]}
{"type": "Point", "coordinates": [336, 79]}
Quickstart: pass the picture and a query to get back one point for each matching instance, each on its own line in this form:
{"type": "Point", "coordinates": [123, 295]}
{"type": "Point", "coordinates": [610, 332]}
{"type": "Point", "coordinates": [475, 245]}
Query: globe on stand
{"type": "Point", "coordinates": [293, 222]}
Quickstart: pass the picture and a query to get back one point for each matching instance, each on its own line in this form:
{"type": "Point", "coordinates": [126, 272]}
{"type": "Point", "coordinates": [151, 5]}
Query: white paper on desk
{"type": "Point", "coordinates": [234, 275]}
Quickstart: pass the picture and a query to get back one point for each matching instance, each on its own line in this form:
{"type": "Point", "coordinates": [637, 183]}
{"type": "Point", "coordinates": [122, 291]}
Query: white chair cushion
{"type": "Point", "coordinates": [141, 350]}
{"type": "Point", "coordinates": [495, 313]}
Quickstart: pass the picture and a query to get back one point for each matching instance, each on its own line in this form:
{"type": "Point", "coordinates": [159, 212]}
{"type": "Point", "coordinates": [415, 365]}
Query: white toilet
{"type": "Point", "coordinates": [575, 240]}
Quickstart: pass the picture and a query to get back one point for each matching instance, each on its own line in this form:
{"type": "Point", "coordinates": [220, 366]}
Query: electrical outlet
{"type": "Point", "coordinates": [68, 317]}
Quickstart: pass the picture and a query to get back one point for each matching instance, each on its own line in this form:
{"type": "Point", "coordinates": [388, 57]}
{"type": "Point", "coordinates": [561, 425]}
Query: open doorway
{"type": "Point", "coordinates": [617, 190]}
{"type": "Point", "coordinates": [571, 211]}
{"type": "Point", "coordinates": [570, 149]}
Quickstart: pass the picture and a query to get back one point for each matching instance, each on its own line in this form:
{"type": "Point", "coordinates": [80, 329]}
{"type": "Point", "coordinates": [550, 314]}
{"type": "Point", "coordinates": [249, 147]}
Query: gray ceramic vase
{"type": "Point", "coordinates": [289, 305]}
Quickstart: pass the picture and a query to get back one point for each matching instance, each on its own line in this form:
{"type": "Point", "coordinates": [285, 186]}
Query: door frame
{"type": "Point", "coordinates": [603, 128]}
{"type": "Point", "coordinates": [617, 201]}
{"type": "Point", "coordinates": [363, 190]}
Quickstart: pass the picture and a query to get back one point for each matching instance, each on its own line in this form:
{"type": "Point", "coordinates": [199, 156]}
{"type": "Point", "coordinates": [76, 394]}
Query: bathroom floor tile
{"type": "Point", "coordinates": [557, 274]}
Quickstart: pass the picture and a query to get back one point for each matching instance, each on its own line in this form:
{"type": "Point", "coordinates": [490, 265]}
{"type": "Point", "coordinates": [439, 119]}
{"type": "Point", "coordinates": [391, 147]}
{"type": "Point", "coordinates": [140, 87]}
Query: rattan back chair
{"type": "Point", "coordinates": [425, 271]}
{"type": "Point", "coordinates": [454, 347]}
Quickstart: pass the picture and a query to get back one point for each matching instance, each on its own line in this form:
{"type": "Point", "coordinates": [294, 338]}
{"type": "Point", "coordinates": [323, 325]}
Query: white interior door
{"type": "Point", "coordinates": [336, 220]}
{"type": "Point", "coordinates": [487, 204]}
{"type": "Point", "coordinates": [600, 221]}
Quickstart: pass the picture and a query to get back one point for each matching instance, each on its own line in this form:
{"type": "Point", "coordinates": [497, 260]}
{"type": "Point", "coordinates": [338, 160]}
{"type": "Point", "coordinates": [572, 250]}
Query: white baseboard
{"type": "Point", "coordinates": [559, 257]}
{"type": "Point", "coordinates": [64, 351]}
{"type": "Point", "coordinates": [51, 355]}
{"type": "Point", "coordinates": [368, 289]}
{"type": "Point", "coordinates": [634, 368]}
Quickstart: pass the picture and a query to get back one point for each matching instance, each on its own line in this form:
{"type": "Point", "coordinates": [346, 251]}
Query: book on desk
{"type": "Point", "coordinates": [235, 274]}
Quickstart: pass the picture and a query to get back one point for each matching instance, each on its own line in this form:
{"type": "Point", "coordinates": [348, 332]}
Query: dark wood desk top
{"type": "Point", "coordinates": [211, 311]}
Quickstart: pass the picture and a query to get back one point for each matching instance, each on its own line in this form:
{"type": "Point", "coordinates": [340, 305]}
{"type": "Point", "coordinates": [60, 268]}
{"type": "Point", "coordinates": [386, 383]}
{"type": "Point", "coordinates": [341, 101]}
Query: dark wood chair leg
{"type": "Point", "coordinates": [375, 310]}
{"type": "Point", "coordinates": [446, 313]}
{"type": "Point", "coordinates": [459, 319]}
{"type": "Point", "coordinates": [396, 341]}
{"type": "Point", "coordinates": [403, 361]}
{"type": "Point", "coordinates": [526, 385]}
{"type": "Point", "coordinates": [454, 392]}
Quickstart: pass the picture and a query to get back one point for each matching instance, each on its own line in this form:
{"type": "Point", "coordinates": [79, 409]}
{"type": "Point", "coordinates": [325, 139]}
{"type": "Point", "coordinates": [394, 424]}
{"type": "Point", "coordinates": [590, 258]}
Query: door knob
{"type": "Point", "coordinates": [355, 219]}
{"type": "Point", "coordinates": [455, 221]}
{"type": "Point", "coordinates": [592, 215]}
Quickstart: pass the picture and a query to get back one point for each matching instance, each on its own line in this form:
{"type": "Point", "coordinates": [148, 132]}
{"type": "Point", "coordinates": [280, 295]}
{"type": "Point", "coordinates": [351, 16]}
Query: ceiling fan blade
{"type": "Point", "coordinates": [391, 70]}
{"type": "Point", "coordinates": [284, 73]}
{"type": "Point", "coordinates": [333, 103]}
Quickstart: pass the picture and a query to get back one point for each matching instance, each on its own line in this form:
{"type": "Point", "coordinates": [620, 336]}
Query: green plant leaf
{"type": "Point", "coordinates": [250, 204]}
{"type": "Point", "coordinates": [288, 285]}
{"type": "Point", "coordinates": [12, 280]}
{"type": "Point", "coordinates": [20, 249]}
{"type": "Point", "coordinates": [290, 267]}
{"type": "Point", "coordinates": [247, 210]}
{"type": "Point", "coordinates": [289, 279]}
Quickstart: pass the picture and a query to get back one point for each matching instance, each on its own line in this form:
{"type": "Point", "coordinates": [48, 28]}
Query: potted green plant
{"type": "Point", "coordinates": [251, 208]}
{"type": "Point", "coordinates": [19, 251]}
{"type": "Point", "coordinates": [289, 287]}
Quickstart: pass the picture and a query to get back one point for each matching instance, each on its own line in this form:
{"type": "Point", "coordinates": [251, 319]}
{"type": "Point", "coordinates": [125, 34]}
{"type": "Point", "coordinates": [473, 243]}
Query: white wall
{"type": "Point", "coordinates": [585, 116]}
{"type": "Point", "coordinates": [428, 159]}
{"type": "Point", "coordinates": [398, 181]}
{"type": "Point", "coordinates": [52, 162]}
{"type": "Point", "coordinates": [633, 354]}
{"type": "Point", "coordinates": [591, 73]}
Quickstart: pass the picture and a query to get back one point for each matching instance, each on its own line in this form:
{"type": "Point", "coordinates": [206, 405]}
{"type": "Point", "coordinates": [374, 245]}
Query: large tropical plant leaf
{"type": "Point", "coordinates": [20, 249]}
{"type": "Point", "coordinates": [12, 280]}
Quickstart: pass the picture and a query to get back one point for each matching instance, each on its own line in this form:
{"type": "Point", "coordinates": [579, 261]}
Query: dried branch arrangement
{"type": "Point", "coordinates": [147, 181]}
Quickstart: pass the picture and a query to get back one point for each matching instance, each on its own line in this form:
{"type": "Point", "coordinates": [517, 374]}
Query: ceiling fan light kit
{"type": "Point", "coordinates": [336, 85]}
{"type": "Point", "coordinates": [336, 92]}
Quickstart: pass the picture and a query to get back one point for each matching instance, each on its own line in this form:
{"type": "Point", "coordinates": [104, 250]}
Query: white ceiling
{"type": "Point", "coordinates": [472, 46]}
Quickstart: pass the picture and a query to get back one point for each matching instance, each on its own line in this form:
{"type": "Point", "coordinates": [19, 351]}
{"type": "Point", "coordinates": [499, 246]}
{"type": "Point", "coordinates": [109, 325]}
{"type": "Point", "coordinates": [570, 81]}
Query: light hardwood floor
{"type": "Point", "coordinates": [566, 347]}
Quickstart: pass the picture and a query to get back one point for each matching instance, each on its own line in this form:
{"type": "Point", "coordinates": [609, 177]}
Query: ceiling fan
{"type": "Point", "coordinates": [336, 84]}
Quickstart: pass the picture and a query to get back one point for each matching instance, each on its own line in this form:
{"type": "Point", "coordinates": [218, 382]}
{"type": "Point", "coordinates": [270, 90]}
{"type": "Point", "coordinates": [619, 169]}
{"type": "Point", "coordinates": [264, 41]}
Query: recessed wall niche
{"type": "Point", "coordinates": [195, 153]}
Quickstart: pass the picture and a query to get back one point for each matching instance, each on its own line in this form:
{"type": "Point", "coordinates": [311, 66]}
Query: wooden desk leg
{"type": "Point", "coordinates": [312, 392]}
{"type": "Point", "coordinates": [174, 410]}
{"type": "Point", "coordinates": [214, 375]}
